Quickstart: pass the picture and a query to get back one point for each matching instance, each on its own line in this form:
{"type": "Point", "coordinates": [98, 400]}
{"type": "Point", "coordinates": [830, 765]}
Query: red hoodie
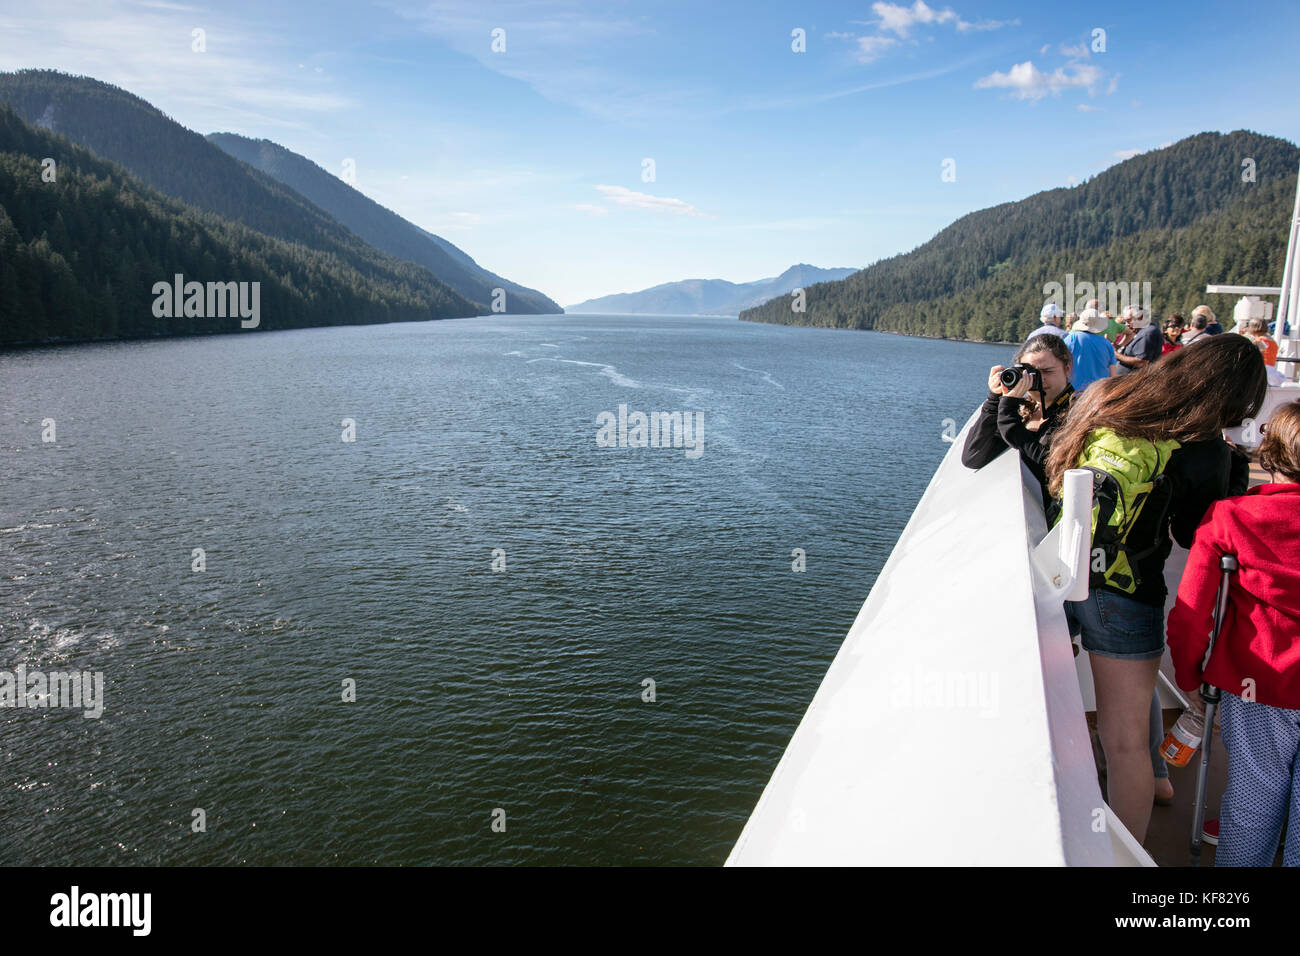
{"type": "Point", "coordinates": [1260, 640]}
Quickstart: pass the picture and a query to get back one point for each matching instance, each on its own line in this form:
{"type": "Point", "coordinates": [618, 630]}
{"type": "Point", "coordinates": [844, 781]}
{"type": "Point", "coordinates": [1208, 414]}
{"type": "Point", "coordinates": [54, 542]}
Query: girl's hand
{"type": "Point", "coordinates": [995, 383]}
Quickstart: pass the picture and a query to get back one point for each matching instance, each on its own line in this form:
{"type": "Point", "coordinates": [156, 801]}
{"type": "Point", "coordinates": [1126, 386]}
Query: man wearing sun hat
{"type": "Point", "coordinates": [1094, 357]}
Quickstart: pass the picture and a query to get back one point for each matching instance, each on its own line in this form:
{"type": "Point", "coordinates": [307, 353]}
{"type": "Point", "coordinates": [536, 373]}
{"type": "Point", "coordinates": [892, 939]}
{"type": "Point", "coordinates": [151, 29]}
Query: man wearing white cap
{"type": "Point", "coordinates": [1051, 318]}
{"type": "Point", "coordinates": [1094, 356]}
{"type": "Point", "coordinates": [1146, 345]}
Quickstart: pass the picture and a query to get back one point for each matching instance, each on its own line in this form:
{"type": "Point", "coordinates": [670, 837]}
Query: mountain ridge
{"type": "Point", "coordinates": [380, 226]}
{"type": "Point", "coordinates": [706, 296]}
{"type": "Point", "coordinates": [84, 245]}
{"type": "Point", "coordinates": [1154, 218]}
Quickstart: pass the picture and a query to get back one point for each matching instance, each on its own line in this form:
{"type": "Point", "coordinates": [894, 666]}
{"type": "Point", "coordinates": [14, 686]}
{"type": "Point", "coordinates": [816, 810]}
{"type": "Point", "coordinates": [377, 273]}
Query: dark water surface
{"type": "Point", "coordinates": [371, 560]}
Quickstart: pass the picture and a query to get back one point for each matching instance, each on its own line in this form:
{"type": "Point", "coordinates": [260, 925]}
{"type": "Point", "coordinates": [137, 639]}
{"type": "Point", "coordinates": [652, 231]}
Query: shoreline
{"type": "Point", "coordinates": [907, 335]}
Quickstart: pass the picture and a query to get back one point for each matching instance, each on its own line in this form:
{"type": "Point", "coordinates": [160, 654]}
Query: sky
{"type": "Point", "coordinates": [588, 148]}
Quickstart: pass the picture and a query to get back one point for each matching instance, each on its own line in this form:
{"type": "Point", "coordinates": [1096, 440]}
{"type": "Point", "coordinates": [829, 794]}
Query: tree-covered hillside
{"type": "Point", "coordinates": [122, 128]}
{"type": "Point", "coordinates": [1179, 218]}
{"type": "Point", "coordinates": [79, 256]}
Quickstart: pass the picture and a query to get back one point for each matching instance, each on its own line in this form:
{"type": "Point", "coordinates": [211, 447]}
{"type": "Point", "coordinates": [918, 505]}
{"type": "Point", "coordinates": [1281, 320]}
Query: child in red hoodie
{"type": "Point", "coordinates": [1256, 661]}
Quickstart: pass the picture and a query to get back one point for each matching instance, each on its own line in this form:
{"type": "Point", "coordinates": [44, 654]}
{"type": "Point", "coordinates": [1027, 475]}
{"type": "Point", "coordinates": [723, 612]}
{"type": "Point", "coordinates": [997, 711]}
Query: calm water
{"type": "Point", "coordinates": [371, 561]}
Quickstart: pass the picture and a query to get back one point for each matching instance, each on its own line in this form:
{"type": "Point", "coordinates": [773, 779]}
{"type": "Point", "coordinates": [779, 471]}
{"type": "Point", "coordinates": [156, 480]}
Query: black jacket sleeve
{"type": "Point", "coordinates": [1239, 477]}
{"type": "Point", "coordinates": [1202, 479]}
{"type": "Point", "coordinates": [983, 443]}
{"type": "Point", "coordinates": [1013, 431]}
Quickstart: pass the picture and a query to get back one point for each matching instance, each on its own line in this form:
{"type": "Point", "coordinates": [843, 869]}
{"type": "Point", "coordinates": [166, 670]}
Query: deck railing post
{"type": "Point", "coordinates": [1061, 558]}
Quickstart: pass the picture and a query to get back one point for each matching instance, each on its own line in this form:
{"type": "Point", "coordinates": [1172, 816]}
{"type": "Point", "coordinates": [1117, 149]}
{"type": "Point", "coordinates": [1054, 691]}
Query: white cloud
{"type": "Point", "coordinates": [1078, 52]}
{"type": "Point", "coordinates": [1085, 108]}
{"type": "Point", "coordinates": [1027, 82]}
{"type": "Point", "coordinates": [635, 200]}
{"type": "Point", "coordinates": [592, 208]}
{"type": "Point", "coordinates": [964, 25]}
{"type": "Point", "coordinates": [565, 52]}
{"type": "Point", "coordinates": [237, 83]}
{"type": "Point", "coordinates": [1128, 153]}
{"type": "Point", "coordinates": [899, 19]}
{"type": "Point", "coordinates": [895, 23]}
{"type": "Point", "coordinates": [869, 48]}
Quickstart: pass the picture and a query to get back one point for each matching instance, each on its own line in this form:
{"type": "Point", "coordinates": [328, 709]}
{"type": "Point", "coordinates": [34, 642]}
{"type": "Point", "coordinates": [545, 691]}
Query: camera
{"type": "Point", "coordinates": [1010, 377]}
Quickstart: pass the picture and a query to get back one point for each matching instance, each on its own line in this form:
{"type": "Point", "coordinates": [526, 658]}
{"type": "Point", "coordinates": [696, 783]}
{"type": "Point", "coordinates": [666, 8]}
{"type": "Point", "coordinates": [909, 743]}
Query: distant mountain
{"type": "Point", "coordinates": [708, 296]}
{"type": "Point", "coordinates": [122, 128]}
{"type": "Point", "coordinates": [1178, 217]}
{"type": "Point", "coordinates": [83, 244]}
{"type": "Point", "coordinates": [381, 227]}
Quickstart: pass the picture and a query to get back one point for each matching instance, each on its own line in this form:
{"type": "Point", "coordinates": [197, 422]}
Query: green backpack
{"type": "Point", "coordinates": [1127, 478]}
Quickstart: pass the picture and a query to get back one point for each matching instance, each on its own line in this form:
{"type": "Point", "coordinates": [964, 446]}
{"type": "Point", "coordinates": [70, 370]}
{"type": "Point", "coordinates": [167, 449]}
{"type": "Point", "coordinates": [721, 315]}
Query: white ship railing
{"type": "Point", "coordinates": [950, 726]}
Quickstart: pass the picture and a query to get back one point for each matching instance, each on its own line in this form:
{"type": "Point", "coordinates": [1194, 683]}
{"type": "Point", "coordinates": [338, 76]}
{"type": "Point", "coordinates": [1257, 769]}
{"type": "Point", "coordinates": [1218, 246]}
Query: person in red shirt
{"type": "Point", "coordinates": [1174, 329]}
{"type": "Point", "coordinates": [1256, 661]}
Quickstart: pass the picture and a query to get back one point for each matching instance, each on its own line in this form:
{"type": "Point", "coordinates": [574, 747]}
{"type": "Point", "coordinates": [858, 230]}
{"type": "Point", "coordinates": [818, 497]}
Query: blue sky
{"type": "Point", "coordinates": [531, 158]}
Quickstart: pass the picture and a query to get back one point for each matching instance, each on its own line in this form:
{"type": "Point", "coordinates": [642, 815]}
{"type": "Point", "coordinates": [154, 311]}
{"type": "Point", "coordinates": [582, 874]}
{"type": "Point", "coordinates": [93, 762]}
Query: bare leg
{"type": "Point", "coordinates": [1124, 689]}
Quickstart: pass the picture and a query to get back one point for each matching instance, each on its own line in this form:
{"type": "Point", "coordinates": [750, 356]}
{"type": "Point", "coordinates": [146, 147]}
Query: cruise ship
{"type": "Point", "coordinates": [955, 724]}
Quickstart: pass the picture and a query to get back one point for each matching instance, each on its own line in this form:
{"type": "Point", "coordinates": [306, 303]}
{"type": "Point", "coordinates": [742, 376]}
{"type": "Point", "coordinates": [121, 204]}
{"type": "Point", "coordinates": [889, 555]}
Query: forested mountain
{"type": "Point", "coordinates": [1179, 218]}
{"type": "Point", "coordinates": [707, 296]}
{"type": "Point", "coordinates": [79, 256]}
{"type": "Point", "coordinates": [117, 126]}
{"type": "Point", "coordinates": [381, 227]}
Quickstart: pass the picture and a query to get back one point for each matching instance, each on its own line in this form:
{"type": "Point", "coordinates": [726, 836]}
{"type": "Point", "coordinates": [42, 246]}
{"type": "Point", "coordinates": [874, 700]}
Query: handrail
{"type": "Point", "coordinates": [949, 728]}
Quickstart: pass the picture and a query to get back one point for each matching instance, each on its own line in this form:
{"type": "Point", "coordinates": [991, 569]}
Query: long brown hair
{"type": "Point", "coordinates": [1191, 394]}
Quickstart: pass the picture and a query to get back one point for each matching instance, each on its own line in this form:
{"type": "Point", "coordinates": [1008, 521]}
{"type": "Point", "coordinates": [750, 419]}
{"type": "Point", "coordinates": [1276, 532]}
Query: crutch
{"type": "Point", "coordinates": [1210, 695]}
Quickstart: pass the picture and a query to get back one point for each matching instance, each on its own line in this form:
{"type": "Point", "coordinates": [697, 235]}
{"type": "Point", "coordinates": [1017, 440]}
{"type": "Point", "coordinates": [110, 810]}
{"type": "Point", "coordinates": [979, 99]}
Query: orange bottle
{"type": "Point", "coordinates": [1184, 738]}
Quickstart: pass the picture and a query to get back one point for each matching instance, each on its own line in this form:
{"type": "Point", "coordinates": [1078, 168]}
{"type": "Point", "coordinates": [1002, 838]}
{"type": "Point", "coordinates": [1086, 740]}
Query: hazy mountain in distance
{"type": "Point", "coordinates": [381, 227]}
{"type": "Point", "coordinates": [708, 296]}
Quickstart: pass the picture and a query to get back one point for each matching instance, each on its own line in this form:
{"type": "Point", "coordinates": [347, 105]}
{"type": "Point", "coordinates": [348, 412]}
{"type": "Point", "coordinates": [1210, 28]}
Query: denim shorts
{"type": "Point", "coordinates": [1113, 625]}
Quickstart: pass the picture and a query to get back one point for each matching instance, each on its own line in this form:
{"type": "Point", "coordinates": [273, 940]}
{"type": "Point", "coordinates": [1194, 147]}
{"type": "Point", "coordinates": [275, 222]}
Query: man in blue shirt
{"type": "Point", "coordinates": [1146, 345]}
{"type": "Point", "coordinates": [1094, 357]}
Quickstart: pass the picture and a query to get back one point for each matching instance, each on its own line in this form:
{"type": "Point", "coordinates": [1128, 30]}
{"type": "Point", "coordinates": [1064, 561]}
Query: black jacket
{"type": "Point", "coordinates": [999, 427]}
{"type": "Point", "coordinates": [1200, 474]}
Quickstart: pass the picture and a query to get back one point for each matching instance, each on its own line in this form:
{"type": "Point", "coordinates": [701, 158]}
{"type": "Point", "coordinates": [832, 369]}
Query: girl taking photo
{"type": "Point", "coordinates": [1020, 417]}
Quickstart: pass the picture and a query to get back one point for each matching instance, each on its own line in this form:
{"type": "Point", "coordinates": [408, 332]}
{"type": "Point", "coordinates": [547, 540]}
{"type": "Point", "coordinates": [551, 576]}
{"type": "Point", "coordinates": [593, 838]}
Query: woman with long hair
{"type": "Point", "coordinates": [1172, 412]}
